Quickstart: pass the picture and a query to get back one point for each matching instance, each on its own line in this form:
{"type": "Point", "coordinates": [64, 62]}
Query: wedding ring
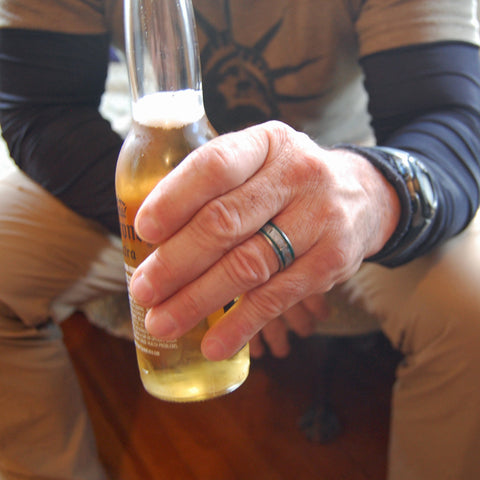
{"type": "Point", "coordinates": [280, 243]}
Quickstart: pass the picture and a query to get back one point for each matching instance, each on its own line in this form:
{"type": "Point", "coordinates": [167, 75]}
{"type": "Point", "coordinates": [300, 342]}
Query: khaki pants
{"type": "Point", "coordinates": [53, 261]}
{"type": "Point", "coordinates": [430, 310]}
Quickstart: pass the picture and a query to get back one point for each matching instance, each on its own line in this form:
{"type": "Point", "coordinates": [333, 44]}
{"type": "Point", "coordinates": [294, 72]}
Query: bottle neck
{"type": "Point", "coordinates": [161, 47]}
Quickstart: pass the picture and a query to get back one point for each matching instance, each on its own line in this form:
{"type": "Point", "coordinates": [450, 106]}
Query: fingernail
{"type": "Point", "coordinates": [141, 289]}
{"type": "Point", "coordinates": [147, 228]}
{"type": "Point", "coordinates": [162, 325]}
{"type": "Point", "coordinates": [213, 349]}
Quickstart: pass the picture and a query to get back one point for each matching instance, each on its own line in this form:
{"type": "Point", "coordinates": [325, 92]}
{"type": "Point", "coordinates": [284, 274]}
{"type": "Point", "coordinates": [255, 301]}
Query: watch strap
{"type": "Point", "coordinates": [418, 198]}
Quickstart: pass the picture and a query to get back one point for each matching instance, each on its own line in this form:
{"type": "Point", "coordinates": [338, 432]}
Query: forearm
{"type": "Point", "coordinates": [50, 89]}
{"type": "Point", "coordinates": [426, 101]}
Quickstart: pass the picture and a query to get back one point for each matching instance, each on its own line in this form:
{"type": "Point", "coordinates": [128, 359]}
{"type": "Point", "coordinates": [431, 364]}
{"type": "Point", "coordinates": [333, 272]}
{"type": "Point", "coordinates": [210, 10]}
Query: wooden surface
{"type": "Point", "coordinates": [249, 434]}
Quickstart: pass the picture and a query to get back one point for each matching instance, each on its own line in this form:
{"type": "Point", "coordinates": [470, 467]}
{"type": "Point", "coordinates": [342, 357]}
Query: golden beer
{"type": "Point", "coordinates": [166, 127]}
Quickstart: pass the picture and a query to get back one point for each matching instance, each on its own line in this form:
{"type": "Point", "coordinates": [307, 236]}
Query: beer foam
{"type": "Point", "coordinates": [169, 109]}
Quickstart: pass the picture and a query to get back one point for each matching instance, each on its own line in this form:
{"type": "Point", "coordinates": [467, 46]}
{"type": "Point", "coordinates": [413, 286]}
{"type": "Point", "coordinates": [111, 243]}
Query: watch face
{"type": "Point", "coordinates": [419, 185]}
{"type": "Point", "coordinates": [427, 193]}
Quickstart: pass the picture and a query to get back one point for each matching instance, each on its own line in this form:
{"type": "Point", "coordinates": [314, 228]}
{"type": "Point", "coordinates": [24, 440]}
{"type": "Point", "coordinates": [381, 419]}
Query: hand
{"type": "Point", "coordinates": [302, 319]}
{"type": "Point", "coordinates": [335, 207]}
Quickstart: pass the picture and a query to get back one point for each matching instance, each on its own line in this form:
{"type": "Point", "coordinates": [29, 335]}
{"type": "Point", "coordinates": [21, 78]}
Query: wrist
{"type": "Point", "coordinates": [384, 210]}
{"type": "Point", "coordinates": [417, 196]}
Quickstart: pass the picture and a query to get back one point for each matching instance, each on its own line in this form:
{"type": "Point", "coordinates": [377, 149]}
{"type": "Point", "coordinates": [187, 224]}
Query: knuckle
{"type": "Point", "coordinates": [221, 221]}
{"type": "Point", "coordinates": [215, 159]}
{"type": "Point", "coordinates": [221, 160]}
{"type": "Point", "coordinates": [342, 248]}
{"type": "Point", "coordinates": [333, 265]}
{"type": "Point", "coordinates": [337, 258]}
{"type": "Point", "coordinates": [272, 302]}
{"type": "Point", "coordinates": [278, 132]}
{"type": "Point", "coordinates": [267, 305]}
{"type": "Point", "coordinates": [218, 158]}
{"type": "Point", "coordinates": [247, 267]}
{"type": "Point", "coordinates": [312, 172]}
{"type": "Point", "coordinates": [331, 260]}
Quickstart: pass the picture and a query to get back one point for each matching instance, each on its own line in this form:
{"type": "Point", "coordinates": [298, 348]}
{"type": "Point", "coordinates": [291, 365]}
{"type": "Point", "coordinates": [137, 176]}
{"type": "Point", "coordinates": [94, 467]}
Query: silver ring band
{"type": "Point", "coordinates": [280, 243]}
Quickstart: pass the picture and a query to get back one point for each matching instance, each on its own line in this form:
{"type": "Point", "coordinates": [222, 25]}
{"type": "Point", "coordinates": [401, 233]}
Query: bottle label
{"type": "Point", "coordinates": [143, 340]}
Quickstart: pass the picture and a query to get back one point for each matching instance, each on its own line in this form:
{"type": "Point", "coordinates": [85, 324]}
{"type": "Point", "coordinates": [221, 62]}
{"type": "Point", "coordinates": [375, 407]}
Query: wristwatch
{"type": "Point", "coordinates": [423, 197]}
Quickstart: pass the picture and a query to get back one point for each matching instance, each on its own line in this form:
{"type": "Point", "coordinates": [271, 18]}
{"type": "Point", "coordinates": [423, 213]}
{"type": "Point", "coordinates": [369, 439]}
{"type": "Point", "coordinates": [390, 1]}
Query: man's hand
{"type": "Point", "coordinates": [334, 206]}
{"type": "Point", "coordinates": [302, 319]}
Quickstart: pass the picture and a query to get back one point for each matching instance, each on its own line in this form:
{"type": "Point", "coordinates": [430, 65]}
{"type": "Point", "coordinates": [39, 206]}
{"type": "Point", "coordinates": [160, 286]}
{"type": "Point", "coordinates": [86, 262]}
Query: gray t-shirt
{"type": "Point", "coordinates": [295, 60]}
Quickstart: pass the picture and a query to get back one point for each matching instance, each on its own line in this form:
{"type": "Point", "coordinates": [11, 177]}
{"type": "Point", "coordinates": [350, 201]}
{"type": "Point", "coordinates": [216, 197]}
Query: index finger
{"type": "Point", "coordinates": [208, 172]}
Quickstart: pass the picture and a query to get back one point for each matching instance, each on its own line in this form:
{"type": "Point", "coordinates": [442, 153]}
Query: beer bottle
{"type": "Point", "coordinates": [168, 122]}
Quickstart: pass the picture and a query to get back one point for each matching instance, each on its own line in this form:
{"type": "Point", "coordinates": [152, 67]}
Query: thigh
{"type": "Point", "coordinates": [52, 258]}
{"type": "Point", "coordinates": [430, 310]}
{"type": "Point", "coordinates": [417, 302]}
{"type": "Point", "coordinates": [45, 431]}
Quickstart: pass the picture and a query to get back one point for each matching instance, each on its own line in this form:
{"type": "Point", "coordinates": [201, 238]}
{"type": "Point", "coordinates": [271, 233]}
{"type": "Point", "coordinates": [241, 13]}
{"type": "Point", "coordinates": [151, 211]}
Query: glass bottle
{"type": "Point", "coordinates": [168, 122]}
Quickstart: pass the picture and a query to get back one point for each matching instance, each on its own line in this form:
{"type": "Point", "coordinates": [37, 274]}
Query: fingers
{"type": "Point", "coordinates": [217, 254]}
{"type": "Point", "coordinates": [230, 160]}
{"type": "Point", "coordinates": [244, 268]}
{"type": "Point", "coordinates": [220, 224]}
{"type": "Point", "coordinates": [169, 281]}
{"type": "Point", "coordinates": [219, 227]}
{"type": "Point", "coordinates": [256, 309]}
{"type": "Point", "coordinates": [209, 252]}
{"type": "Point", "coordinates": [316, 309]}
{"type": "Point", "coordinates": [256, 346]}
{"type": "Point", "coordinates": [301, 319]}
{"type": "Point", "coordinates": [275, 334]}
